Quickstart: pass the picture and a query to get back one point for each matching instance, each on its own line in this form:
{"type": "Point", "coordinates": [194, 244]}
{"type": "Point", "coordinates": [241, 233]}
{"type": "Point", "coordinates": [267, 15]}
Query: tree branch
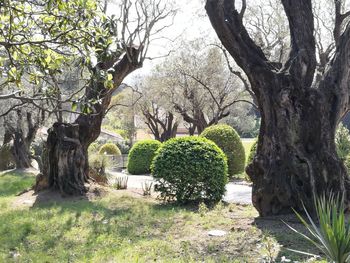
{"type": "Point", "coordinates": [228, 25]}
{"type": "Point", "coordinates": [301, 63]}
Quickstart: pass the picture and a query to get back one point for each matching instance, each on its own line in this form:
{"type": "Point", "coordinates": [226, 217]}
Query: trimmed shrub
{"type": "Point", "coordinates": [141, 155]}
{"type": "Point", "coordinates": [252, 152]}
{"type": "Point", "coordinates": [110, 149]}
{"type": "Point", "coordinates": [190, 169]}
{"type": "Point", "coordinates": [229, 141]}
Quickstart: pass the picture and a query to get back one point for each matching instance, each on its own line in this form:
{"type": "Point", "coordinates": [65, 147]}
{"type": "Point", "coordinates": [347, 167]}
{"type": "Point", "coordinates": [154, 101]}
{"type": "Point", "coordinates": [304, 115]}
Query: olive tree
{"type": "Point", "coordinates": [296, 155]}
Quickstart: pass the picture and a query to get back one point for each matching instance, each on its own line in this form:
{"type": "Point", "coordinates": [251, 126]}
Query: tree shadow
{"type": "Point", "coordinates": [277, 227]}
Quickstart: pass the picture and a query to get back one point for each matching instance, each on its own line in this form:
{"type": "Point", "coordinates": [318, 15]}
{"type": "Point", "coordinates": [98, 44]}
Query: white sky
{"type": "Point", "coordinates": [190, 23]}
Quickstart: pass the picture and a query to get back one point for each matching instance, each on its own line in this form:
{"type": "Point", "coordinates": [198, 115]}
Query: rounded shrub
{"type": "Point", "coordinates": [190, 169]}
{"type": "Point", "coordinates": [141, 155]}
{"type": "Point", "coordinates": [229, 141]}
{"type": "Point", "coordinates": [252, 152]}
{"type": "Point", "coordinates": [110, 149]}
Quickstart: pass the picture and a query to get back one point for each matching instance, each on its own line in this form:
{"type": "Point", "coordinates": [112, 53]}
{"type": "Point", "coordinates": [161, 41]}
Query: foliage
{"type": "Point", "coordinates": [123, 146]}
{"type": "Point", "coordinates": [123, 133]}
{"type": "Point", "coordinates": [252, 152]}
{"type": "Point", "coordinates": [347, 163]}
{"type": "Point", "coordinates": [332, 233]}
{"type": "Point", "coordinates": [244, 119]}
{"type": "Point", "coordinates": [109, 149]}
{"type": "Point", "coordinates": [44, 37]}
{"type": "Point", "coordinates": [97, 167]}
{"type": "Point", "coordinates": [190, 169]}
{"type": "Point", "coordinates": [342, 141]}
{"type": "Point", "coordinates": [141, 156]}
{"type": "Point", "coordinates": [121, 182]}
{"type": "Point", "coordinates": [229, 141]}
{"type": "Point", "coordinates": [94, 147]}
{"type": "Point", "coordinates": [6, 157]}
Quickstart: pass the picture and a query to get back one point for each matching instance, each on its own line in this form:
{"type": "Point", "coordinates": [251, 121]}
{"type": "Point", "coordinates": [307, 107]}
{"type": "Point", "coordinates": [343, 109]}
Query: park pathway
{"type": "Point", "coordinates": [237, 193]}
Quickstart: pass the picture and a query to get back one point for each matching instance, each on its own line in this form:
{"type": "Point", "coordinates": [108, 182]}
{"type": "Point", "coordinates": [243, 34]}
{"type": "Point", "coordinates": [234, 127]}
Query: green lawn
{"type": "Point", "coordinates": [122, 227]}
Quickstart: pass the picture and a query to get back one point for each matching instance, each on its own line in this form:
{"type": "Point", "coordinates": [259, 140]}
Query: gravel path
{"type": "Point", "coordinates": [235, 192]}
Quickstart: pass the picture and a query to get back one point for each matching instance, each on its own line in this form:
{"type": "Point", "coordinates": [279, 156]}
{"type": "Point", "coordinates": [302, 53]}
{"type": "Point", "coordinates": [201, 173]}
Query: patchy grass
{"type": "Point", "coordinates": [12, 183]}
{"type": "Point", "coordinates": [120, 227]}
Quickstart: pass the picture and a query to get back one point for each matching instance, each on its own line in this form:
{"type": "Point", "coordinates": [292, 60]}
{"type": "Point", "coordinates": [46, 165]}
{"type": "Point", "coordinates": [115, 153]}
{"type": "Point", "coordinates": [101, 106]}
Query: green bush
{"type": "Point", "coordinates": [252, 152]}
{"type": "Point", "coordinates": [141, 155]}
{"type": "Point", "coordinates": [229, 141]}
{"type": "Point", "coordinates": [329, 232]}
{"type": "Point", "coordinates": [190, 169]}
{"type": "Point", "coordinates": [110, 149]}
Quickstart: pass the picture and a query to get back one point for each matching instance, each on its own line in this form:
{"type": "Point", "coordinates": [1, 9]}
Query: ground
{"type": "Point", "coordinates": [111, 225]}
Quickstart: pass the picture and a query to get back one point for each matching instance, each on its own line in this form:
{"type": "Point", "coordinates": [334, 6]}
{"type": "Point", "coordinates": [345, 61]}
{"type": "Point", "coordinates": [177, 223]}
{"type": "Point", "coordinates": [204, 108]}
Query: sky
{"type": "Point", "coordinates": [190, 22]}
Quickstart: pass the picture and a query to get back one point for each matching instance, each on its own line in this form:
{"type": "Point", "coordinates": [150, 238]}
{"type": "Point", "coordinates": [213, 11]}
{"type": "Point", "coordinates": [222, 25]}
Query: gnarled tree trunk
{"type": "Point", "coordinates": [65, 165]}
{"type": "Point", "coordinates": [21, 137]}
{"type": "Point", "coordinates": [296, 157]}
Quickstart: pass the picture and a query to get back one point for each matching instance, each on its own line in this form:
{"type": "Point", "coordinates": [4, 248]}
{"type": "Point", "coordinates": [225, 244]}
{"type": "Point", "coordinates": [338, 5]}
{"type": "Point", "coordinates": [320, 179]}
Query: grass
{"type": "Point", "coordinates": [121, 227]}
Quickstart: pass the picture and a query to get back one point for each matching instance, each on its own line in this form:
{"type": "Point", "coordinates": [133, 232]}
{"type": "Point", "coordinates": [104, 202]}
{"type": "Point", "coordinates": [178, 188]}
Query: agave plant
{"type": "Point", "coordinates": [332, 233]}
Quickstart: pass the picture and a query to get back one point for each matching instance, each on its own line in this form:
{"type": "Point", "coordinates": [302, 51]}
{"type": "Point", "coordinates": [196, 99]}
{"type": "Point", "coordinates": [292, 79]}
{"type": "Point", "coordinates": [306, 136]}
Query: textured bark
{"type": "Point", "coordinates": [21, 137]}
{"type": "Point", "coordinates": [65, 165]}
{"type": "Point", "coordinates": [296, 157]}
{"type": "Point", "coordinates": [21, 151]}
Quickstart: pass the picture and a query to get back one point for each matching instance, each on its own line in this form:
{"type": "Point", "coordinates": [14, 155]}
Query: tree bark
{"type": "Point", "coordinates": [65, 165]}
{"type": "Point", "coordinates": [21, 151]}
{"type": "Point", "coordinates": [296, 158]}
{"type": "Point", "coordinates": [22, 138]}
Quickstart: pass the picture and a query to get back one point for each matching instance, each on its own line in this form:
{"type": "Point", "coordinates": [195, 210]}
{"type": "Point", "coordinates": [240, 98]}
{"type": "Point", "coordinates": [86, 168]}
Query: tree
{"type": "Point", "coordinates": [22, 132]}
{"type": "Point", "coordinates": [162, 124]}
{"type": "Point", "coordinates": [296, 157]}
{"type": "Point", "coordinates": [109, 48]}
{"type": "Point", "coordinates": [200, 87]}
{"type": "Point", "coordinates": [156, 108]}
{"type": "Point", "coordinates": [66, 166]}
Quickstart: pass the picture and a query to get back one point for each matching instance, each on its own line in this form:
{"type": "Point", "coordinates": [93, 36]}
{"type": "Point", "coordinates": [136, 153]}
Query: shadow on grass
{"type": "Point", "coordinates": [276, 227]}
{"type": "Point", "coordinates": [83, 227]}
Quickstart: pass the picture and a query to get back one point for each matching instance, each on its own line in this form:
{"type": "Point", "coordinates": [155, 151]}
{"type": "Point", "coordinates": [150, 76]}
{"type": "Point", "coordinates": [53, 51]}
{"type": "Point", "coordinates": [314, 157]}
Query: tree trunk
{"type": "Point", "coordinates": [66, 159]}
{"type": "Point", "coordinates": [65, 162]}
{"type": "Point", "coordinates": [21, 151]}
{"type": "Point", "coordinates": [296, 156]}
